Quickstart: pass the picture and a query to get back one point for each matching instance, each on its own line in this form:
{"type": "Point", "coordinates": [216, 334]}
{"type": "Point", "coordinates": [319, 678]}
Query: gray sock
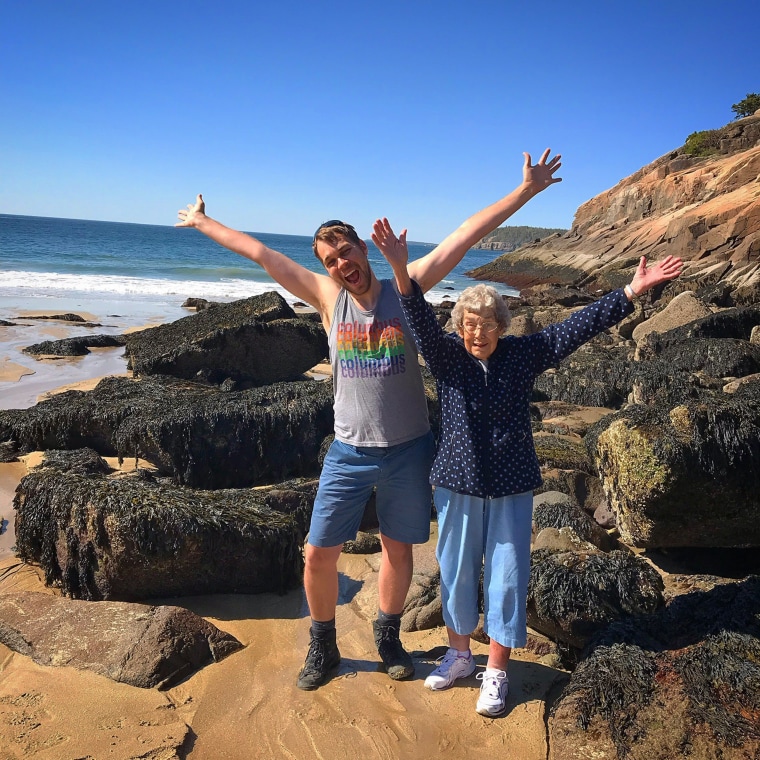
{"type": "Point", "coordinates": [385, 619]}
{"type": "Point", "coordinates": [320, 629]}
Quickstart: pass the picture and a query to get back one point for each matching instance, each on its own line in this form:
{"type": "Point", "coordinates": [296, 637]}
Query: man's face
{"type": "Point", "coordinates": [347, 264]}
{"type": "Point", "coordinates": [480, 333]}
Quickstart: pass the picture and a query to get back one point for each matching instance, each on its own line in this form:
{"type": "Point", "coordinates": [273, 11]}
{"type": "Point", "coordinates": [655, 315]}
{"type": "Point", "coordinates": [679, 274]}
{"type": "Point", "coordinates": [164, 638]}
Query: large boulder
{"type": "Point", "coordinates": [200, 435]}
{"type": "Point", "coordinates": [682, 309]}
{"type": "Point", "coordinates": [682, 682]}
{"type": "Point", "coordinates": [130, 538]}
{"type": "Point", "coordinates": [573, 595]}
{"type": "Point", "coordinates": [684, 476]}
{"type": "Point", "coordinates": [136, 644]}
{"type": "Point", "coordinates": [256, 341]}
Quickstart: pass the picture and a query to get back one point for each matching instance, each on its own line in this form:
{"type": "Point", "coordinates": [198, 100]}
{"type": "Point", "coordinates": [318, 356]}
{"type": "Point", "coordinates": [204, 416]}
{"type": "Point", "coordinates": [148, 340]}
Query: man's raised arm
{"type": "Point", "coordinates": [304, 284]}
{"type": "Point", "coordinates": [433, 267]}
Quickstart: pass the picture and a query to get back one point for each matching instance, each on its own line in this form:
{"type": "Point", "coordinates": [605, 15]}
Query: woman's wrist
{"type": "Point", "coordinates": [631, 294]}
{"type": "Point", "coordinates": [404, 283]}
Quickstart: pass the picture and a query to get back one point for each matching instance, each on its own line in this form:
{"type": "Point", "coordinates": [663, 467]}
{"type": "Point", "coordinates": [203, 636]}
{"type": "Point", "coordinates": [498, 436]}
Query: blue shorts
{"type": "Point", "coordinates": [400, 474]}
{"type": "Point", "coordinates": [492, 534]}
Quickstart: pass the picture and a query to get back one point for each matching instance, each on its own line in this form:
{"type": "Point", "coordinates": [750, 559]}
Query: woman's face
{"type": "Point", "coordinates": [480, 333]}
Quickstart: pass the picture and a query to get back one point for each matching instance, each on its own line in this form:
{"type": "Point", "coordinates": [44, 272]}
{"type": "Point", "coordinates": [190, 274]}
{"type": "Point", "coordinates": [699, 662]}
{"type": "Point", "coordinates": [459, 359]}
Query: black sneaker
{"type": "Point", "coordinates": [322, 661]}
{"type": "Point", "coordinates": [398, 664]}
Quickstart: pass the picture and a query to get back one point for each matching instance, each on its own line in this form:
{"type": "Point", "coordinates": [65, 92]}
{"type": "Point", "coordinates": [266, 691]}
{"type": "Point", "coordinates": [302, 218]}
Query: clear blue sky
{"type": "Point", "coordinates": [288, 113]}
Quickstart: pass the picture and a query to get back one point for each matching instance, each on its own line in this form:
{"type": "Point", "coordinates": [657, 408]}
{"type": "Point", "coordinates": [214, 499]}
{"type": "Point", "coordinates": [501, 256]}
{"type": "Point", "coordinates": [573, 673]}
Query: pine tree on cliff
{"type": "Point", "coordinates": [748, 106]}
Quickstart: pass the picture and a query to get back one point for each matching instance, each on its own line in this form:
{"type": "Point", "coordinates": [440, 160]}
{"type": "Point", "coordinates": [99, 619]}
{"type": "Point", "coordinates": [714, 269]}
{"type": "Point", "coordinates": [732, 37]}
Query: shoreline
{"type": "Point", "coordinates": [25, 380]}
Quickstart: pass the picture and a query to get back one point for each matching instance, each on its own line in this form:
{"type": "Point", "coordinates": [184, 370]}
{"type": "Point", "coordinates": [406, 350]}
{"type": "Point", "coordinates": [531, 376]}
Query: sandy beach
{"type": "Point", "coordinates": [246, 706]}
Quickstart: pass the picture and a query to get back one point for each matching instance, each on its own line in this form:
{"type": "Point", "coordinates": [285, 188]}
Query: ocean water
{"type": "Point", "coordinates": [102, 263]}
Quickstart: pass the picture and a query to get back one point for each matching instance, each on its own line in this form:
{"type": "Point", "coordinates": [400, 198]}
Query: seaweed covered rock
{"type": "Point", "coordinates": [555, 294]}
{"type": "Point", "coordinates": [714, 357]}
{"type": "Point", "coordinates": [84, 461]}
{"type": "Point", "coordinates": [682, 682]}
{"type": "Point", "coordinates": [129, 538]}
{"type": "Point", "coordinates": [594, 375]}
{"type": "Point", "coordinates": [562, 452]}
{"type": "Point", "coordinates": [684, 476]}
{"type": "Point", "coordinates": [655, 382]}
{"type": "Point", "coordinates": [574, 595]}
{"type": "Point", "coordinates": [686, 362]}
{"type": "Point", "coordinates": [364, 543]}
{"type": "Point", "coordinates": [77, 346]}
{"type": "Point", "coordinates": [136, 644]}
{"type": "Point", "coordinates": [199, 304]}
{"type": "Point", "coordinates": [69, 317]}
{"type": "Point", "coordinates": [8, 451]}
{"type": "Point", "coordinates": [736, 323]}
{"type": "Point", "coordinates": [583, 490]}
{"type": "Point", "coordinates": [556, 510]}
{"type": "Point", "coordinates": [256, 341]}
{"type": "Point", "coordinates": [200, 435]}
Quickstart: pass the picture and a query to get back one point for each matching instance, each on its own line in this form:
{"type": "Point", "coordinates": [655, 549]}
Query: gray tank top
{"type": "Point", "coordinates": [379, 396]}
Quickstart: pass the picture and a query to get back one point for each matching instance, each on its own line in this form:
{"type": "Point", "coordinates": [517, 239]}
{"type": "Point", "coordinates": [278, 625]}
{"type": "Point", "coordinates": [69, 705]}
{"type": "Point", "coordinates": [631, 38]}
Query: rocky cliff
{"type": "Point", "coordinates": [705, 209]}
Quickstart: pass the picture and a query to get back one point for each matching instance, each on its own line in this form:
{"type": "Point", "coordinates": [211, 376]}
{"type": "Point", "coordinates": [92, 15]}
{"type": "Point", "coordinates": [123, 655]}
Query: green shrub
{"type": "Point", "coordinates": [705, 143]}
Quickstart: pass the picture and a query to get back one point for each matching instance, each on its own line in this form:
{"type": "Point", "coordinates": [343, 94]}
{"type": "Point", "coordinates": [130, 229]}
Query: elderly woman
{"type": "Point", "coordinates": [486, 466]}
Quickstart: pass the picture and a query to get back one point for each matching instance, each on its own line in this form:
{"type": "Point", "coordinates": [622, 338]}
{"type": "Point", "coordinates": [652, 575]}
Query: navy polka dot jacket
{"type": "Point", "coordinates": [485, 447]}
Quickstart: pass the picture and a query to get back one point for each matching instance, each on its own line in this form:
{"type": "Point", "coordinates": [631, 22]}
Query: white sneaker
{"type": "Point", "coordinates": [450, 667]}
{"type": "Point", "coordinates": [493, 693]}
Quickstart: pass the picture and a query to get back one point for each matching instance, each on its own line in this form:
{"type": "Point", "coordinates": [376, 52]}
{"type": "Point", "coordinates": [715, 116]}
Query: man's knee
{"type": "Point", "coordinates": [395, 549]}
{"type": "Point", "coordinates": [321, 557]}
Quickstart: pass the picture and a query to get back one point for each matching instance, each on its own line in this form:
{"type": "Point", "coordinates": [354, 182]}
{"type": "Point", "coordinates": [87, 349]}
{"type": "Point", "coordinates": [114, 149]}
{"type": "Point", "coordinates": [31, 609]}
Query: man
{"type": "Point", "coordinates": [382, 436]}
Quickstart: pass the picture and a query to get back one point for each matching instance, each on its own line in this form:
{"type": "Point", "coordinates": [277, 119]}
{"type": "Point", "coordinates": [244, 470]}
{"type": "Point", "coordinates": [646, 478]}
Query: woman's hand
{"type": "Point", "coordinates": [648, 277]}
{"type": "Point", "coordinates": [393, 248]}
{"type": "Point", "coordinates": [395, 251]}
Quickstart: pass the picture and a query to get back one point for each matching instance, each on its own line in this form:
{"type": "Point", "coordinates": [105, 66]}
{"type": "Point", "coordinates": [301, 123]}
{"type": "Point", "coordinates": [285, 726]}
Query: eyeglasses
{"type": "Point", "coordinates": [331, 223]}
{"type": "Point", "coordinates": [486, 327]}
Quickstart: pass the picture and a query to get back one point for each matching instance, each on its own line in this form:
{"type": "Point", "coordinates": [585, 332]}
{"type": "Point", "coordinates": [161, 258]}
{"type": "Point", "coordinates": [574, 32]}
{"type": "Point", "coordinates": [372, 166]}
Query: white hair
{"type": "Point", "coordinates": [478, 299]}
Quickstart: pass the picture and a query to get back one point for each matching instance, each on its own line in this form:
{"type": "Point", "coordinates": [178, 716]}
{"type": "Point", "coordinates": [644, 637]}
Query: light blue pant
{"type": "Point", "coordinates": [493, 534]}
